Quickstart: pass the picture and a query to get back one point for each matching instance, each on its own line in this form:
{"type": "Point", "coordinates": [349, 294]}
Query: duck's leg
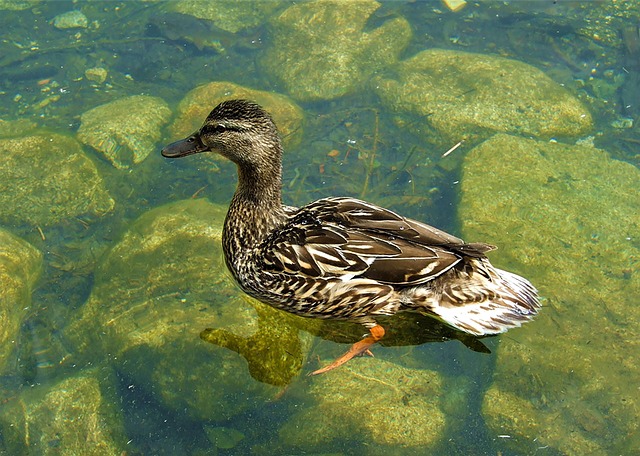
{"type": "Point", "coordinates": [377, 333]}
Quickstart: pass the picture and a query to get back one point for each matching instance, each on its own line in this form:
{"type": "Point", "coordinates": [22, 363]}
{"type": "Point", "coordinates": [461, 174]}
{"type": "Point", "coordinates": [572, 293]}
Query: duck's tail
{"type": "Point", "coordinates": [479, 299]}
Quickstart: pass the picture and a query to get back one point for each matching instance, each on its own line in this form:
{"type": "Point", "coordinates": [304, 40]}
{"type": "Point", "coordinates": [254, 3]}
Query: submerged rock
{"type": "Point", "coordinates": [372, 400]}
{"type": "Point", "coordinates": [162, 285]}
{"type": "Point", "coordinates": [567, 218]}
{"type": "Point", "coordinates": [186, 28]}
{"type": "Point", "coordinates": [126, 130]}
{"type": "Point", "coordinates": [322, 50]}
{"type": "Point", "coordinates": [17, 5]}
{"type": "Point", "coordinates": [230, 16]}
{"type": "Point", "coordinates": [70, 19]}
{"type": "Point", "coordinates": [464, 95]}
{"type": "Point", "coordinates": [604, 22]}
{"type": "Point", "coordinates": [71, 417]}
{"type": "Point", "coordinates": [20, 265]}
{"type": "Point", "coordinates": [47, 178]}
{"type": "Point", "coordinates": [197, 104]}
{"type": "Point", "coordinates": [96, 74]}
{"type": "Point", "coordinates": [17, 127]}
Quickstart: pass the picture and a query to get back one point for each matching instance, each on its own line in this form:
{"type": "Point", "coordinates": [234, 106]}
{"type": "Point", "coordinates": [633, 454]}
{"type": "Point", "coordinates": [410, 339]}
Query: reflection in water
{"type": "Point", "coordinates": [275, 353]}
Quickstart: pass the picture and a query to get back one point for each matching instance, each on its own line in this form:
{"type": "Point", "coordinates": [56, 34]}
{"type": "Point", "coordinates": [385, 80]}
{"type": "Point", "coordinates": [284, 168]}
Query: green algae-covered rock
{"type": "Point", "coordinates": [70, 19]}
{"type": "Point", "coordinates": [371, 399]}
{"type": "Point", "coordinates": [321, 51]}
{"type": "Point", "coordinates": [17, 5]}
{"type": "Point", "coordinates": [465, 95]}
{"type": "Point", "coordinates": [604, 22]}
{"type": "Point", "coordinates": [47, 178]}
{"type": "Point", "coordinates": [566, 217]}
{"type": "Point", "coordinates": [71, 417]}
{"type": "Point", "coordinates": [16, 127]}
{"type": "Point", "coordinates": [196, 105]}
{"type": "Point", "coordinates": [20, 265]}
{"type": "Point", "coordinates": [126, 130]}
{"type": "Point", "coordinates": [163, 284]}
{"type": "Point", "coordinates": [231, 16]}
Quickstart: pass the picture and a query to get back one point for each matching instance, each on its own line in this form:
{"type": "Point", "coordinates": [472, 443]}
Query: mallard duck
{"type": "Point", "coordinates": [343, 258]}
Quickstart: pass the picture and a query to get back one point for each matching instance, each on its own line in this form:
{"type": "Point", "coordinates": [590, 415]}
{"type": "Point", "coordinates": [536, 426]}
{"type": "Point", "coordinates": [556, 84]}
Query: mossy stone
{"type": "Point", "coordinates": [70, 19]}
{"type": "Point", "coordinates": [566, 217]}
{"type": "Point", "coordinates": [158, 289]}
{"type": "Point", "coordinates": [385, 404]}
{"type": "Point", "coordinates": [127, 130]}
{"type": "Point", "coordinates": [73, 416]}
{"type": "Point", "coordinates": [47, 178]}
{"type": "Point", "coordinates": [20, 266]}
{"type": "Point", "coordinates": [17, 5]}
{"type": "Point", "coordinates": [16, 127]}
{"type": "Point", "coordinates": [463, 95]}
{"type": "Point", "coordinates": [322, 50]}
{"type": "Point", "coordinates": [198, 103]}
{"type": "Point", "coordinates": [230, 16]}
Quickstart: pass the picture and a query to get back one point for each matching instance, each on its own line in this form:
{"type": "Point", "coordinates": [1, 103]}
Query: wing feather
{"type": "Point", "coordinates": [346, 238]}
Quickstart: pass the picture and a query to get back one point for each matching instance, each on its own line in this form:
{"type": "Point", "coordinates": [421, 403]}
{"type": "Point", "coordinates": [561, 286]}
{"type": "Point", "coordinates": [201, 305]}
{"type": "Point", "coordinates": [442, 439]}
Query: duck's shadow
{"type": "Point", "coordinates": [275, 352]}
{"type": "Point", "coordinates": [402, 329]}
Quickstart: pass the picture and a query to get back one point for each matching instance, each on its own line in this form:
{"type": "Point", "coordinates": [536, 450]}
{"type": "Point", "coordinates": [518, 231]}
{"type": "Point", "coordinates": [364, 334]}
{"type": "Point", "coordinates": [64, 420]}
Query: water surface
{"type": "Point", "coordinates": [120, 295]}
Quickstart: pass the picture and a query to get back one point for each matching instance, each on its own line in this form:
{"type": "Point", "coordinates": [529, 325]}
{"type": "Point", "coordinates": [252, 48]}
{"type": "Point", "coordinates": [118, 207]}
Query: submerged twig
{"type": "Point", "coordinates": [453, 148]}
{"type": "Point", "coordinates": [195, 195]}
{"type": "Point", "coordinates": [41, 233]}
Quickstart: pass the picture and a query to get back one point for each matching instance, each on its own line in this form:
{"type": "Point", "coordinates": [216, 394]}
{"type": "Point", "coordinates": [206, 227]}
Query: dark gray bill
{"type": "Point", "coordinates": [184, 147]}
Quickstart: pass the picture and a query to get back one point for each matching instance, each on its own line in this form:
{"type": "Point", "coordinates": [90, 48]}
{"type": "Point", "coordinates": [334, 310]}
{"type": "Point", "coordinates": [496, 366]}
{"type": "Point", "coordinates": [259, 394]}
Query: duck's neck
{"type": "Point", "coordinates": [255, 210]}
{"type": "Point", "coordinates": [259, 186]}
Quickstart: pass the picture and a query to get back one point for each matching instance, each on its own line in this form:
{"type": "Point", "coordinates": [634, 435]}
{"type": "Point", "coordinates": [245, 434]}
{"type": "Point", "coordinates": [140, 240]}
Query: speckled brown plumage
{"type": "Point", "coordinates": [343, 258]}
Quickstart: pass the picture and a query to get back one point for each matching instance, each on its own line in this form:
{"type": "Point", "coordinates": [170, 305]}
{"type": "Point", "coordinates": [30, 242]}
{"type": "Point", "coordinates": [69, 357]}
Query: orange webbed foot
{"type": "Point", "coordinates": [359, 348]}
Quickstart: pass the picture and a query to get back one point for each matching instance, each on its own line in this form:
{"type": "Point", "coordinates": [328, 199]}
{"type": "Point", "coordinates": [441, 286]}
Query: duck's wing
{"type": "Point", "coordinates": [347, 238]}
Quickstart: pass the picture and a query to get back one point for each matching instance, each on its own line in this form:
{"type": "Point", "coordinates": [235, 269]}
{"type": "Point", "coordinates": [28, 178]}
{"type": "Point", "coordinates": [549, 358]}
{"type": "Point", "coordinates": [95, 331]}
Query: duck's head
{"type": "Point", "coordinates": [240, 130]}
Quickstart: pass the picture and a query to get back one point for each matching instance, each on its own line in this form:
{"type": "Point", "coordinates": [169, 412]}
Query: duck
{"type": "Point", "coordinates": [344, 258]}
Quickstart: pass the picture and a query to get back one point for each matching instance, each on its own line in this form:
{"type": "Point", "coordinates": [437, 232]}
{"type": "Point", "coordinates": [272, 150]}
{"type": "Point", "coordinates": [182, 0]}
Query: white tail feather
{"type": "Point", "coordinates": [485, 301]}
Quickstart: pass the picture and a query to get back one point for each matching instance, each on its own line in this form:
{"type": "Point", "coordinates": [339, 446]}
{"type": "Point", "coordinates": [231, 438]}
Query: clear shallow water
{"type": "Point", "coordinates": [111, 328]}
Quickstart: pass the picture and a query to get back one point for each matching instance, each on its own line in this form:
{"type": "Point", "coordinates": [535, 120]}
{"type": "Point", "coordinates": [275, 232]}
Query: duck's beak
{"type": "Point", "coordinates": [188, 146]}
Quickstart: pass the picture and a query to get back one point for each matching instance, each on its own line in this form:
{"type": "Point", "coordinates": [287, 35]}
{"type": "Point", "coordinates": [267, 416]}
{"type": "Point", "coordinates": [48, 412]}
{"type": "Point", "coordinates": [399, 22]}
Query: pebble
{"type": "Point", "coordinates": [70, 19]}
{"type": "Point", "coordinates": [96, 74]}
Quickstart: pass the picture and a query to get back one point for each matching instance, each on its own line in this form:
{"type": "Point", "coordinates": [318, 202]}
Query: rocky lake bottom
{"type": "Point", "coordinates": [121, 331]}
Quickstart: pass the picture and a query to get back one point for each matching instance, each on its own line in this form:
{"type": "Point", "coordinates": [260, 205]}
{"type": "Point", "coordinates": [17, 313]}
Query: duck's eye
{"type": "Point", "coordinates": [213, 129]}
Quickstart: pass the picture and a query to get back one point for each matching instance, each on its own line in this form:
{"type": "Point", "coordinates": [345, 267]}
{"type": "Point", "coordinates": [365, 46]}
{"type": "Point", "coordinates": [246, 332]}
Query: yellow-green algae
{"type": "Point", "coordinates": [71, 417]}
{"type": "Point", "coordinates": [462, 95]}
{"type": "Point", "coordinates": [20, 266]}
{"type": "Point", "coordinates": [156, 291]}
{"type": "Point", "coordinates": [321, 51]}
{"type": "Point", "coordinates": [127, 130]}
{"type": "Point", "coordinates": [372, 400]}
{"type": "Point", "coordinates": [47, 178]}
{"type": "Point", "coordinates": [197, 104]}
{"type": "Point", "coordinates": [567, 218]}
